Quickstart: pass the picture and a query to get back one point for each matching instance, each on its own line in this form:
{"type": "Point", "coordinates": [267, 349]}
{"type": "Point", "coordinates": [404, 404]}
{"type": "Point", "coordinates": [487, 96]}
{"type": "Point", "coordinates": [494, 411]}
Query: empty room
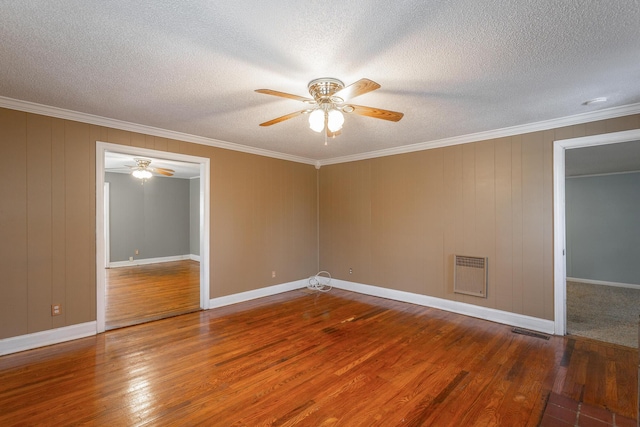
{"type": "Point", "coordinates": [319, 214]}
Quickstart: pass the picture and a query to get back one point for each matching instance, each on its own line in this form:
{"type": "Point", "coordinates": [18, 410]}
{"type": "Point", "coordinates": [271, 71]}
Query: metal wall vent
{"type": "Point", "coordinates": [530, 333]}
{"type": "Point", "coordinates": [470, 275]}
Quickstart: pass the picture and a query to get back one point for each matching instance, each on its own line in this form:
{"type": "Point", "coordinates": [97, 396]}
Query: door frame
{"type": "Point", "coordinates": [559, 217]}
{"type": "Point", "coordinates": [101, 244]}
{"type": "Point", "coordinates": [107, 221]}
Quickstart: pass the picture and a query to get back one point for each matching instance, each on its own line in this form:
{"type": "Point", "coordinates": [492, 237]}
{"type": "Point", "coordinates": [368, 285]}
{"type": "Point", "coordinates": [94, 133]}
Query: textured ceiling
{"type": "Point", "coordinates": [453, 67]}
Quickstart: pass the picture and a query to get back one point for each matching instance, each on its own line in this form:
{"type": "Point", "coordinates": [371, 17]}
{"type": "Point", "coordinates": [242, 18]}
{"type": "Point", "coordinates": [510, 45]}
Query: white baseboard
{"type": "Point", "coordinates": [604, 283]}
{"type": "Point", "coordinates": [44, 338]}
{"type": "Point", "coordinates": [491, 314]}
{"type": "Point", "coordinates": [194, 257]}
{"type": "Point", "coordinates": [68, 333]}
{"type": "Point", "coordinates": [144, 261]}
{"type": "Point", "coordinates": [257, 293]}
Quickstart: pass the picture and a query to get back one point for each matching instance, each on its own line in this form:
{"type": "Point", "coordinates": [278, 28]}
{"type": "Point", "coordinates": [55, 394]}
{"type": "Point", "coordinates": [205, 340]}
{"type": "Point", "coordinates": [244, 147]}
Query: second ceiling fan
{"type": "Point", "coordinates": [328, 102]}
{"type": "Point", "coordinates": [143, 171]}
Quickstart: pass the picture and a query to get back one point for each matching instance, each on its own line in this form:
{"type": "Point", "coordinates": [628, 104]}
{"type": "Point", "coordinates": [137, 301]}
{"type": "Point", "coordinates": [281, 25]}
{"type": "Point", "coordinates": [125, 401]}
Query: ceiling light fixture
{"type": "Point", "coordinates": [335, 120]}
{"type": "Point", "coordinates": [316, 120]}
{"type": "Point", "coordinates": [595, 101]}
{"type": "Point", "coordinates": [142, 174]}
{"type": "Point", "coordinates": [328, 96]}
{"type": "Point", "coordinates": [331, 116]}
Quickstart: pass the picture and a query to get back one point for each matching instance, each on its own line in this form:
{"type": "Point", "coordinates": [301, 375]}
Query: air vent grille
{"type": "Point", "coordinates": [470, 275]}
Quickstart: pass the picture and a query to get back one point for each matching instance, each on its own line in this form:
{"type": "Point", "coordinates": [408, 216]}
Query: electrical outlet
{"type": "Point", "coordinates": [273, 274]}
{"type": "Point", "coordinates": [130, 258]}
{"type": "Point", "coordinates": [137, 252]}
{"type": "Point", "coordinates": [56, 309]}
{"type": "Point", "coordinates": [351, 271]}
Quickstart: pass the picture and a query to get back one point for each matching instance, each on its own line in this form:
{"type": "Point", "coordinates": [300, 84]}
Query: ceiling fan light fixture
{"type": "Point", "coordinates": [335, 120]}
{"type": "Point", "coordinates": [316, 120]}
{"type": "Point", "coordinates": [329, 96]}
{"type": "Point", "coordinates": [142, 174]}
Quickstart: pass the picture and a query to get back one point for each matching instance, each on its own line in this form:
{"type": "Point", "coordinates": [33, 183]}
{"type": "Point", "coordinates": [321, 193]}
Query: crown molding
{"type": "Point", "coordinates": [32, 107]}
{"type": "Point", "coordinates": [577, 119]}
{"type": "Point", "coordinates": [595, 175]}
{"type": "Point", "coordinates": [61, 113]}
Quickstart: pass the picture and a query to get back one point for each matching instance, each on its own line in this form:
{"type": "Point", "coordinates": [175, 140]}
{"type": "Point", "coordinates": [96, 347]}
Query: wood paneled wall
{"type": "Point", "coordinates": [263, 218]}
{"type": "Point", "coordinates": [397, 221]}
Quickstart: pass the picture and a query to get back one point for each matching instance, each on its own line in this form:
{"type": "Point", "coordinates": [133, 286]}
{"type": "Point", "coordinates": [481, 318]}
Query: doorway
{"type": "Point", "coordinates": [560, 244]}
{"type": "Point", "coordinates": [153, 263]}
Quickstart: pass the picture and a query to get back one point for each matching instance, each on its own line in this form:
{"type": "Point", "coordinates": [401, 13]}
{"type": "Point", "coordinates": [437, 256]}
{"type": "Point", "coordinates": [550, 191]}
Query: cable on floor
{"type": "Point", "coordinates": [320, 282]}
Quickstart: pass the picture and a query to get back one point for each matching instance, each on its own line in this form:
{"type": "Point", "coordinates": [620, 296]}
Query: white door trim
{"type": "Point", "coordinates": [107, 222]}
{"type": "Point", "coordinates": [205, 164]}
{"type": "Point", "coordinates": [559, 235]}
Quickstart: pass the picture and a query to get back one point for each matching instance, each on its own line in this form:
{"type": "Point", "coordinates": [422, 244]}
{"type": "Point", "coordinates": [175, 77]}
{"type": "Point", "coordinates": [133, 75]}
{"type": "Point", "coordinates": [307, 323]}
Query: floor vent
{"type": "Point", "coordinates": [470, 275]}
{"type": "Point", "coordinates": [530, 333]}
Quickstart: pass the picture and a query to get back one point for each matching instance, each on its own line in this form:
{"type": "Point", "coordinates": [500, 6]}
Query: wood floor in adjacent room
{"type": "Point", "coordinates": [143, 293]}
{"type": "Point", "coordinates": [312, 359]}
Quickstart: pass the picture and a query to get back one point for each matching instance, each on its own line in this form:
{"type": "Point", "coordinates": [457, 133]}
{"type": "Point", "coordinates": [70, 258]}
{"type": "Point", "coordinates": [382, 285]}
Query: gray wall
{"type": "Point", "coordinates": [153, 218]}
{"type": "Point", "coordinates": [603, 228]}
{"type": "Point", "coordinates": [194, 216]}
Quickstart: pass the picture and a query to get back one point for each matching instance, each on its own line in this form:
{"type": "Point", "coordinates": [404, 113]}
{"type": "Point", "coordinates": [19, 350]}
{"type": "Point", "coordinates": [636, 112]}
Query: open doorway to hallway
{"type": "Point", "coordinates": [152, 248]}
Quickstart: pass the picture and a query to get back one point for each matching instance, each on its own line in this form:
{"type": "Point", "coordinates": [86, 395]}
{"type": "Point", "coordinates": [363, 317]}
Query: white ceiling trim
{"type": "Point", "coordinates": [577, 119]}
{"type": "Point", "coordinates": [62, 113]}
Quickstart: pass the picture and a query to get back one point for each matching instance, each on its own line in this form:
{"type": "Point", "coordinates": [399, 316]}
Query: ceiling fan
{"type": "Point", "coordinates": [143, 171]}
{"type": "Point", "coordinates": [328, 101]}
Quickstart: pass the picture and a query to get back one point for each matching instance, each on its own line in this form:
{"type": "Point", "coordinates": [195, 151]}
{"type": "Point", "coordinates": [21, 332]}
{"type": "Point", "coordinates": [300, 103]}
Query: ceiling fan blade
{"type": "Point", "coordinates": [285, 95]}
{"type": "Point", "coordinates": [327, 131]}
{"type": "Point", "coordinates": [333, 134]}
{"type": "Point", "coordinates": [376, 113]}
{"type": "Point", "coordinates": [163, 171]}
{"type": "Point", "coordinates": [283, 118]}
{"type": "Point", "coordinates": [358, 88]}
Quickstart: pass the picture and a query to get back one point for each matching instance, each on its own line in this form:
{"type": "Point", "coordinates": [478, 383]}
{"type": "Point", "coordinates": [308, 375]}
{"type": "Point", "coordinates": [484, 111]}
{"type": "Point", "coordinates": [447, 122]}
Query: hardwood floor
{"type": "Point", "coordinates": [143, 293]}
{"type": "Point", "coordinates": [312, 359]}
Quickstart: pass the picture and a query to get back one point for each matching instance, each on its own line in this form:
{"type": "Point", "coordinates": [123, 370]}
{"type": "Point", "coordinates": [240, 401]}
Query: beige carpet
{"type": "Point", "coordinates": [604, 313]}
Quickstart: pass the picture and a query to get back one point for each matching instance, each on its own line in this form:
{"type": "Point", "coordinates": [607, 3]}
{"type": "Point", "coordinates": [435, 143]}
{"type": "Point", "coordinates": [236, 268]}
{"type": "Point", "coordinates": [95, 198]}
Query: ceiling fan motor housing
{"type": "Point", "coordinates": [142, 163]}
{"type": "Point", "coordinates": [322, 90]}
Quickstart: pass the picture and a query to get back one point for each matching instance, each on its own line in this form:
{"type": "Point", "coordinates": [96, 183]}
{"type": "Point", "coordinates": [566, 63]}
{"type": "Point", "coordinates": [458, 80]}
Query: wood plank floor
{"type": "Point", "coordinates": [149, 292]}
{"type": "Point", "coordinates": [312, 359]}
